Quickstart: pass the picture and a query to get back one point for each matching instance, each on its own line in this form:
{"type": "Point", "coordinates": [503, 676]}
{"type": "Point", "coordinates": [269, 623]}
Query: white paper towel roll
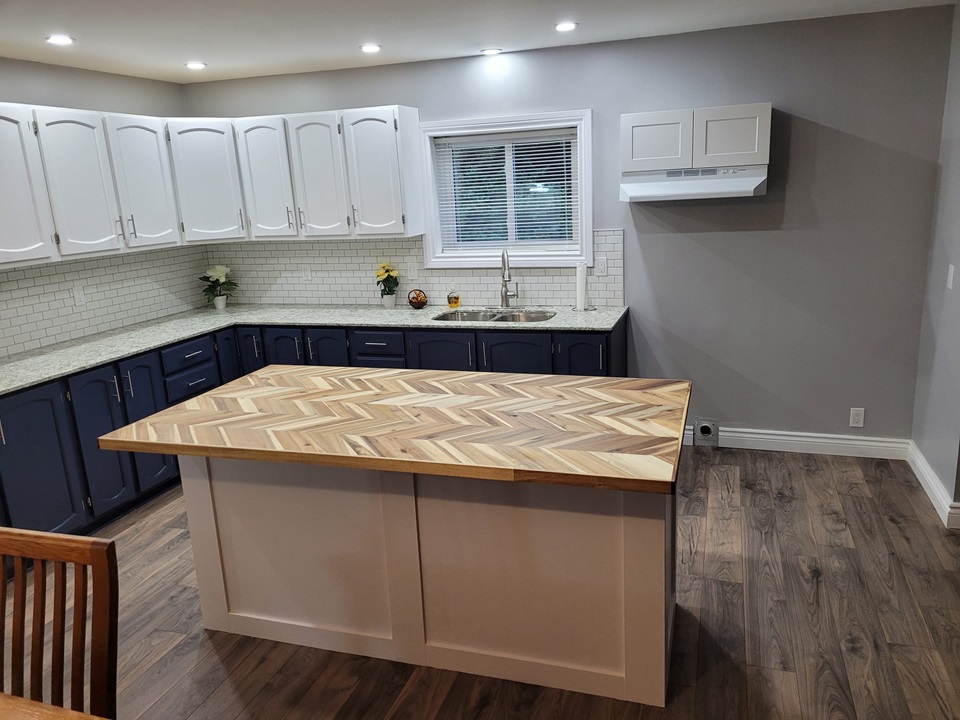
{"type": "Point", "coordinates": [581, 286]}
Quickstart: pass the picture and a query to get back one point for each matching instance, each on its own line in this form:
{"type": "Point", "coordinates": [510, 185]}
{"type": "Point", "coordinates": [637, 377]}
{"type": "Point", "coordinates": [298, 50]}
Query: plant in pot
{"type": "Point", "coordinates": [388, 278]}
{"type": "Point", "coordinates": [218, 288]}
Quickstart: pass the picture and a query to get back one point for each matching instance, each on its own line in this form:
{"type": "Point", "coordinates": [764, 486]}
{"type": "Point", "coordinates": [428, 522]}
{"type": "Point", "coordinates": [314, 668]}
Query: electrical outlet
{"type": "Point", "coordinates": [78, 297]}
{"type": "Point", "coordinates": [601, 267]}
{"type": "Point", "coordinates": [950, 278]}
{"type": "Point", "coordinates": [305, 272]}
{"type": "Point", "coordinates": [856, 417]}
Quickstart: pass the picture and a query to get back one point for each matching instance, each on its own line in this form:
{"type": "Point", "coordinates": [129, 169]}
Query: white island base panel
{"type": "Point", "coordinates": [567, 587]}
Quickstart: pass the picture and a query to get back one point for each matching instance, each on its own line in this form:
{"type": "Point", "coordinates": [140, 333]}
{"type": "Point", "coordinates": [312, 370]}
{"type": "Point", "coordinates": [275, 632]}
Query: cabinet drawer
{"type": "Point", "coordinates": [192, 382]}
{"type": "Point", "coordinates": [187, 354]}
{"type": "Point", "coordinates": [377, 342]}
{"type": "Point", "coordinates": [379, 361]}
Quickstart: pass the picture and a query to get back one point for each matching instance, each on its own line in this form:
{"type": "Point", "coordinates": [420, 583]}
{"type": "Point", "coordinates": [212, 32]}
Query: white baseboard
{"type": "Point", "coordinates": [948, 510]}
{"type": "Point", "coordinates": [815, 443]}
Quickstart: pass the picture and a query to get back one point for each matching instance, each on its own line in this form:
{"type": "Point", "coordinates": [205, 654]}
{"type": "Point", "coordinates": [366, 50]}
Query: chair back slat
{"type": "Point", "coordinates": [18, 633]}
{"type": "Point", "coordinates": [39, 613]}
{"type": "Point", "coordinates": [100, 556]}
{"type": "Point", "coordinates": [79, 636]}
{"type": "Point", "coordinates": [59, 632]}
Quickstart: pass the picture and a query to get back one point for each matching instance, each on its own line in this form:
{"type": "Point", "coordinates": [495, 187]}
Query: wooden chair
{"type": "Point", "coordinates": [60, 550]}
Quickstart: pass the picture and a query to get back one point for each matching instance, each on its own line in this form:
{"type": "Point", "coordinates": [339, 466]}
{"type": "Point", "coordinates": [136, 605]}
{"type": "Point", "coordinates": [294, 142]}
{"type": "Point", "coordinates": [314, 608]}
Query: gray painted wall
{"type": "Point", "coordinates": [936, 424]}
{"type": "Point", "coordinates": [40, 84]}
{"type": "Point", "coordinates": [785, 310]}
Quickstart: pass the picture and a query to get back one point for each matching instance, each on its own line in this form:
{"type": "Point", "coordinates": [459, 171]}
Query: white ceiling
{"type": "Point", "coordinates": [244, 38]}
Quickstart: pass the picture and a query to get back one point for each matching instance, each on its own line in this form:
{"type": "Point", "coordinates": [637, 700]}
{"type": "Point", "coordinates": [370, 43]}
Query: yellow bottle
{"type": "Point", "coordinates": [453, 299]}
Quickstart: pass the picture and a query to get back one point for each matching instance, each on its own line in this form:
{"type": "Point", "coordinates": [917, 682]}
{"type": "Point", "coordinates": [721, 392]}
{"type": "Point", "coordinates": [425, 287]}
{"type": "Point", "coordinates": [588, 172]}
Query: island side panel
{"type": "Point", "coordinates": [318, 556]}
{"type": "Point", "coordinates": [546, 584]}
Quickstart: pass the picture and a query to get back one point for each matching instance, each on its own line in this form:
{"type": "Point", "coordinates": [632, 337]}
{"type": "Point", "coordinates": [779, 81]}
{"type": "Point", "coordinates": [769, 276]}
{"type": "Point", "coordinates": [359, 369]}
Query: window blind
{"type": "Point", "coordinates": [517, 190]}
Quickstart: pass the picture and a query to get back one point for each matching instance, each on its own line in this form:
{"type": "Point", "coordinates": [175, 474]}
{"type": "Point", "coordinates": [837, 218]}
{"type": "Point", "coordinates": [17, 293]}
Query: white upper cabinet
{"type": "Point", "coordinates": [82, 191]}
{"type": "Point", "coordinates": [265, 172]}
{"type": "Point", "coordinates": [656, 140]}
{"type": "Point", "coordinates": [316, 154]}
{"type": "Point", "coordinates": [732, 135]}
{"type": "Point", "coordinates": [27, 232]}
{"type": "Point", "coordinates": [207, 179]}
{"type": "Point", "coordinates": [374, 170]}
{"type": "Point", "coordinates": [141, 167]}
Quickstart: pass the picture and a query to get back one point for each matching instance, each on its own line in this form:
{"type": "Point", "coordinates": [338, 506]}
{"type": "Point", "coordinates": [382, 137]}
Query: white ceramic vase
{"type": "Point", "coordinates": [389, 301]}
{"type": "Point", "coordinates": [220, 302]}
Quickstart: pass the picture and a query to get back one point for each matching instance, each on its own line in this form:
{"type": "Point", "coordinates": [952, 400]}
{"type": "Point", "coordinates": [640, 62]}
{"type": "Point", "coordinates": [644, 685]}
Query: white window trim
{"type": "Point", "coordinates": [433, 256]}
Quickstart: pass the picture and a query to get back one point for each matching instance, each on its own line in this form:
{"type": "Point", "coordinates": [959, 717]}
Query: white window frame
{"type": "Point", "coordinates": [581, 120]}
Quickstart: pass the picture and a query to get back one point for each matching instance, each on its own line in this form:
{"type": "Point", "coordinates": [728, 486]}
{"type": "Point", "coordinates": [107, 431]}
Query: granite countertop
{"type": "Point", "coordinates": [620, 433]}
{"type": "Point", "coordinates": [55, 361]}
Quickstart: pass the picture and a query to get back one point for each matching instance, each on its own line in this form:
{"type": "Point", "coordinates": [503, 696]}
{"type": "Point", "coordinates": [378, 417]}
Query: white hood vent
{"type": "Point", "coordinates": [693, 184]}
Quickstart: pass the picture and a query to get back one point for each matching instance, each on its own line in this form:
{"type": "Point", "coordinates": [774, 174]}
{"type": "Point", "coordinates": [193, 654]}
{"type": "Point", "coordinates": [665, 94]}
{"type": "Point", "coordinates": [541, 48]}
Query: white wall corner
{"type": "Point", "coordinates": [948, 510]}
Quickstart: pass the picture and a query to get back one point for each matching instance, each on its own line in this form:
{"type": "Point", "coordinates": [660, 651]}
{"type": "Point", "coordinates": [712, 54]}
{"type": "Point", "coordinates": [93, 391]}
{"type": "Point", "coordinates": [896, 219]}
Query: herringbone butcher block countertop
{"type": "Point", "coordinates": [622, 433]}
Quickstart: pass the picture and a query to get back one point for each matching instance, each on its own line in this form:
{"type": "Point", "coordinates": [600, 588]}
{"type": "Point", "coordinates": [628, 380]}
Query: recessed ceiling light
{"type": "Point", "coordinates": [370, 48]}
{"type": "Point", "coordinates": [566, 26]}
{"type": "Point", "coordinates": [491, 51]}
{"type": "Point", "coordinates": [196, 65]}
{"type": "Point", "coordinates": [60, 40]}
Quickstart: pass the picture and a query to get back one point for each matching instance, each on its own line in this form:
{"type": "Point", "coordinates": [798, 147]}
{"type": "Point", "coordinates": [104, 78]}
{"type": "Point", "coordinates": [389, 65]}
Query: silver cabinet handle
{"type": "Point", "coordinates": [116, 386]}
{"type": "Point", "coordinates": [3, 438]}
{"type": "Point", "coordinates": [289, 218]}
{"type": "Point", "coordinates": [256, 347]}
{"type": "Point", "coordinates": [354, 215]}
{"type": "Point", "coordinates": [310, 349]}
{"type": "Point", "coordinates": [133, 225]}
{"type": "Point", "coordinates": [193, 354]}
{"type": "Point", "coordinates": [469, 353]}
{"type": "Point", "coordinates": [296, 343]}
{"type": "Point", "coordinates": [303, 222]}
{"type": "Point", "coordinates": [196, 382]}
{"type": "Point", "coordinates": [484, 346]}
{"type": "Point", "coordinates": [242, 226]}
{"type": "Point", "coordinates": [119, 223]}
{"type": "Point", "coordinates": [378, 344]}
{"type": "Point", "coordinates": [130, 383]}
{"type": "Point", "coordinates": [601, 356]}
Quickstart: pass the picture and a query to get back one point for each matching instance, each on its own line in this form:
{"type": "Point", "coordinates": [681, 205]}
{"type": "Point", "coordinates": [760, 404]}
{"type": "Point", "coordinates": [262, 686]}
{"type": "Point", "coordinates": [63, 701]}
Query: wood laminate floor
{"type": "Point", "coordinates": [808, 587]}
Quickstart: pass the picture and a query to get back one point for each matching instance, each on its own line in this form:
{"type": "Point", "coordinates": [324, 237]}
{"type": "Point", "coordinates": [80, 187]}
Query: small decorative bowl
{"type": "Point", "coordinates": [417, 299]}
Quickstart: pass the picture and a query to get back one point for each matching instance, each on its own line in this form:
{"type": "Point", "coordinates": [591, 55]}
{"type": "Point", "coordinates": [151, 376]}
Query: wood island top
{"type": "Point", "coordinates": [619, 433]}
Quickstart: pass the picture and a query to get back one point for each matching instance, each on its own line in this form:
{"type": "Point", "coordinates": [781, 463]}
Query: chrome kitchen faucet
{"type": "Point", "coordinates": [505, 292]}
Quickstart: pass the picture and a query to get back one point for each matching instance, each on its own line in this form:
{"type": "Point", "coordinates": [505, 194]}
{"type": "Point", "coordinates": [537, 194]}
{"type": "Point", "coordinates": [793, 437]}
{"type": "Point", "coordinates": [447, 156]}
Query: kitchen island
{"type": "Point", "coordinates": [518, 526]}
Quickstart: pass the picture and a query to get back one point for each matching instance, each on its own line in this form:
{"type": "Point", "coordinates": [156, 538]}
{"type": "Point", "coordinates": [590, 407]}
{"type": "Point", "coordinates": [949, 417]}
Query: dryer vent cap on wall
{"type": "Point", "coordinates": [705, 432]}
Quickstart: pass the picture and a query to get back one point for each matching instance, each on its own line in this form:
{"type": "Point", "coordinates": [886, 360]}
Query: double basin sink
{"type": "Point", "coordinates": [495, 315]}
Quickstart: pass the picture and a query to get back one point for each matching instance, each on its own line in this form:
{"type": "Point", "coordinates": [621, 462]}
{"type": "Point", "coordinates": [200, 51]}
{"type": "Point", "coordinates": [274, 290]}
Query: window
{"type": "Point", "coordinates": [519, 183]}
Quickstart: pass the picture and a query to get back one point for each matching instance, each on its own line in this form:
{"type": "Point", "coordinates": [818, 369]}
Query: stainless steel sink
{"type": "Point", "coordinates": [525, 316]}
{"type": "Point", "coordinates": [467, 315]}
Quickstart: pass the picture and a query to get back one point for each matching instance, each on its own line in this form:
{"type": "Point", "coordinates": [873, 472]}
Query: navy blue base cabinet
{"type": "Point", "coordinates": [581, 354]}
{"type": "Point", "coordinates": [327, 346]}
{"type": "Point", "coordinates": [283, 346]}
{"type": "Point", "coordinates": [228, 355]}
{"type": "Point", "coordinates": [143, 395]}
{"type": "Point", "coordinates": [98, 409]}
{"type": "Point", "coordinates": [516, 352]}
{"type": "Point", "coordinates": [442, 350]}
{"type": "Point", "coordinates": [40, 466]}
{"type": "Point", "coordinates": [250, 344]}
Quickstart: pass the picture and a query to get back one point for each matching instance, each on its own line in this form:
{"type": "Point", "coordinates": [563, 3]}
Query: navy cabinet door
{"type": "Point", "coordinates": [581, 354]}
{"type": "Point", "coordinates": [228, 355]}
{"type": "Point", "coordinates": [251, 349]}
{"type": "Point", "coordinates": [438, 350]}
{"type": "Point", "coordinates": [143, 395]}
{"type": "Point", "coordinates": [40, 467]}
{"type": "Point", "coordinates": [98, 409]}
{"type": "Point", "coordinates": [516, 352]}
{"type": "Point", "coordinates": [326, 346]}
{"type": "Point", "coordinates": [283, 346]}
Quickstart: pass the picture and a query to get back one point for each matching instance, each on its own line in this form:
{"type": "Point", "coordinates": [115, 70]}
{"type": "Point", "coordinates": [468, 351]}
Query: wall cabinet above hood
{"type": "Point", "coordinates": [700, 153]}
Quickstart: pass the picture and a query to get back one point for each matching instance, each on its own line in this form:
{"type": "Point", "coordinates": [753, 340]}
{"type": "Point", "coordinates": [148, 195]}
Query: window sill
{"type": "Point", "coordinates": [517, 260]}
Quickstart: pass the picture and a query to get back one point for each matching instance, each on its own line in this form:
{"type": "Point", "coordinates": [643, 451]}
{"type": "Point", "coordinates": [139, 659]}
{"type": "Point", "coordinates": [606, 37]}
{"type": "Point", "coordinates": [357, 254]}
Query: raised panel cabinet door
{"type": "Point", "coordinates": [40, 467]}
{"type": "Point", "coordinates": [283, 346]}
{"type": "Point", "coordinates": [516, 352]}
{"type": "Point", "coordinates": [141, 166]}
{"type": "Point", "coordinates": [319, 180]}
{"type": "Point", "coordinates": [326, 346]}
{"type": "Point", "coordinates": [97, 402]}
{"type": "Point", "coordinates": [228, 355]}
{"type": "Point", "coordinates": [73, 146]}
{"type": "Point", "coordinates": [141, 379]}
{"type": "Point", "coordinates": [265, 176]}
{"type": "Point", "coordinates": [250, 344]}
{"type": "Point", "coordinates": [207, 179]}
{"type": "Point", "coordinates": [656, 140]}
{"type": "Point", "coordinates": [24, 204]}
{"type": "Point", "coordinates": [373, 167]}
{"type": "Point", "coordinates": [439, 350]}
{"type": "Point", "coordinates": [580, 354]}
{"type": "Point", "coordinates": [732, 135]}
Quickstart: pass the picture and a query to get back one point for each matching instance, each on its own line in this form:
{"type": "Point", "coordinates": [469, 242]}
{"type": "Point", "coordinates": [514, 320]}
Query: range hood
{"type": "Point", "coordinates": [693, 184]}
